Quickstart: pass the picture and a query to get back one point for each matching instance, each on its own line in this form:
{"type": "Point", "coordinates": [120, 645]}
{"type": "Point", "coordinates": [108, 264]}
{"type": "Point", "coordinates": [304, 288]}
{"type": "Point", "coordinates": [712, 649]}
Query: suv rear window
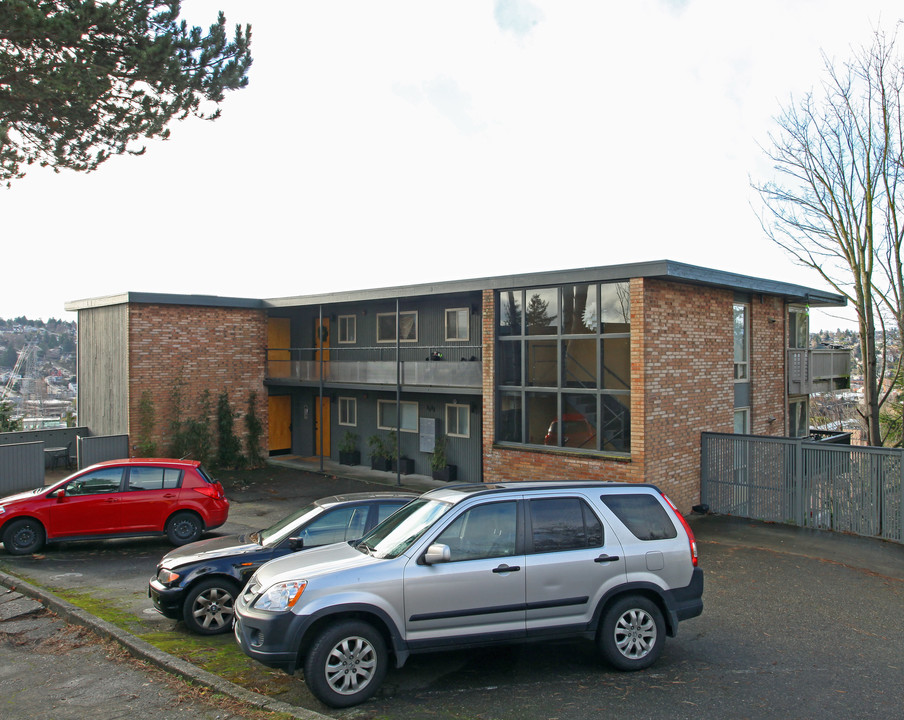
{"type": "Point", "coordinates": [642, 515]}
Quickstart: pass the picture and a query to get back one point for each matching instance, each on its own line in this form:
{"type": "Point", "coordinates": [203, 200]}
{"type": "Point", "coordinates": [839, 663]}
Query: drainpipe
{"type": "Point", "coordinates": [320, 414]}
{"type": "Point", "coordinates": [398, 395]}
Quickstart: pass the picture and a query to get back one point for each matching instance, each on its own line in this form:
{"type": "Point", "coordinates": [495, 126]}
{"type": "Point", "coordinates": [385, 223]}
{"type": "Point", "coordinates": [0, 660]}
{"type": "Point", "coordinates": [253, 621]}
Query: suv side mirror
{"type": "Point", "coordinates": [296, 543]}
{"type": "Point", "coordinates": [437, 553]}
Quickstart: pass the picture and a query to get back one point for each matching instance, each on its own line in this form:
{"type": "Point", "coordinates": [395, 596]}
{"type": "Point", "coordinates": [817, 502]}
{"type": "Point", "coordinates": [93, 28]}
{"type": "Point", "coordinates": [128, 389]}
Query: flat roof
{"type": "Point", "coordinates": [659, 269]}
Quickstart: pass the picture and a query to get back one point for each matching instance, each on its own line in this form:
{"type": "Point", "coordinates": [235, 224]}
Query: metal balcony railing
{"type": "Point", "coordinates": [819, 370]}
{"type": "Point", "coordinates": [457, 366]}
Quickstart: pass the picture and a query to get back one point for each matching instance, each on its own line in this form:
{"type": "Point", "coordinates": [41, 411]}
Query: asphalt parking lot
{"type": "Point", "coordinates": [796, 624]}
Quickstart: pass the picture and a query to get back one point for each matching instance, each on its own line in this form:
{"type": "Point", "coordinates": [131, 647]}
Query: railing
{"type": "Point", "coordinates": [844, 488]}
{"type": "Point", "coordinates": [421, 366]}
{"type": "Point", "coordinates": [820, 370]}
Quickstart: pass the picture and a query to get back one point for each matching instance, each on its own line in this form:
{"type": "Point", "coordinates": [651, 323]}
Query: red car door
{"type": "Point", "coordinates": [151, 493]}
{"type": "Point", "coordinates": [89, 505]}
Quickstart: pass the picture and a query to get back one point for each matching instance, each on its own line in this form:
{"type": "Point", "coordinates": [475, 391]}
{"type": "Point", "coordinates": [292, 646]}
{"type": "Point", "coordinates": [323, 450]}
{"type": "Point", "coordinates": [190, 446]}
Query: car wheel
{"type": "Point", "coordinates": [183, 527]}
{"type": "Point", "coordinates": [208, 607]}
{"type": "Point", "coordinates": [23, 537]}
{"type": "Point", "coordinates": [632, 634]}
{"type": "Point", "coordinates": [346, 663]}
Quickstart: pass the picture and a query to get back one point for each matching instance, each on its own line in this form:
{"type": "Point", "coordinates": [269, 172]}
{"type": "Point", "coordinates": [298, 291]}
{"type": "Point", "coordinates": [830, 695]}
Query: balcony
{"type": "Point", "coordinates": [819, 370]}
{"type": "Point", "coordinates": [417, 367]}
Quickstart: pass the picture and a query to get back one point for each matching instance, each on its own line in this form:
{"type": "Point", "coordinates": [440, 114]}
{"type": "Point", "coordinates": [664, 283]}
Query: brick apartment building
{"type": "Point", "coordinates": [607, 373]}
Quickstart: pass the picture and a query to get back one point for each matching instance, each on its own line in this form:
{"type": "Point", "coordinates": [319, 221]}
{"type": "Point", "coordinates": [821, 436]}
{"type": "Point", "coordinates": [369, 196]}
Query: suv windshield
{"type": "Point", "coordinates": [398, 532]}
{"type": "Point", "coordinates": [280, 530]}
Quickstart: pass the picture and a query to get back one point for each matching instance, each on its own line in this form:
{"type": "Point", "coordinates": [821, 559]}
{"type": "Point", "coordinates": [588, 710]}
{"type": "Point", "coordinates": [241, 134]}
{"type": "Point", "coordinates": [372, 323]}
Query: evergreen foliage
{"type": "Point", "coordinates": [82, 80]}
{"type": "Point", "coordinates": [229, 449]}
{"type": "Point", "coordinates": [253, 437]}
{"type": "Point", "coordinates": [146, 419]}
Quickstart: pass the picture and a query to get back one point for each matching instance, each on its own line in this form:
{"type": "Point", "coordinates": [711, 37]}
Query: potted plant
{"type": "Point", "coordinates": [348, 449]}
{"type": "Point", "coordinates": [439, 463]}
{"type": "Point", "coordinates": [379, 454]}
{"type": "Point", "coordinates": [399, 463]}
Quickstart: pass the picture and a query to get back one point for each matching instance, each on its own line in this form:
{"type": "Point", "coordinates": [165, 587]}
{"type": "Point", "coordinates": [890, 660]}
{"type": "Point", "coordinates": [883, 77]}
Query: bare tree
{"type": "Point", "coordinates": [835, 203]}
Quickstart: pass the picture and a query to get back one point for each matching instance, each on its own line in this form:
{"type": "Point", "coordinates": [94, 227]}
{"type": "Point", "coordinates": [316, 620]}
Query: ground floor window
{"type": "Point", "coordinates": [387, 416]}
{"type": "Point", "coordinates": [348, 411]}
{"type": "Point", "coordinates": [742, 421]}
{"type": "Point", "coordinates": [798, 418]}
{"type": "Point", "coordinates": [458, 420]}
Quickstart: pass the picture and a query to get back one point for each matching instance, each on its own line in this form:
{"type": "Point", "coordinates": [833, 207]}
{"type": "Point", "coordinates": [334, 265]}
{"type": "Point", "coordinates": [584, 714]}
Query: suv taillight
{"type": "Point", "coordinates": [687, 528]}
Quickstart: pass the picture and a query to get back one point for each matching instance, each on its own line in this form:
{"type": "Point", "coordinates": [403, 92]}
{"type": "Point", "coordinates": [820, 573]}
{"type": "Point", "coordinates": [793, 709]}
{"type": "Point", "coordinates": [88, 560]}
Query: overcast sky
{"type": "Point", "coordinates": [383, 143]}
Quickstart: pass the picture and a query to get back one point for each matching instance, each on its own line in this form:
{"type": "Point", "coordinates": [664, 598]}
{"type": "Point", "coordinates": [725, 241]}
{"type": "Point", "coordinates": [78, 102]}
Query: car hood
{"type": "Point", "coordinates": [313, 563]}
{"type": "Point", "coordinates": [205, 550]}
{"type": "Point", "coordinates": [27, 495]}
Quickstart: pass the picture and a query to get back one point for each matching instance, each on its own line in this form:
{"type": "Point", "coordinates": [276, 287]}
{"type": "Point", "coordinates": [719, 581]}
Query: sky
{"type": "Point", "coordinates": [387, 143]}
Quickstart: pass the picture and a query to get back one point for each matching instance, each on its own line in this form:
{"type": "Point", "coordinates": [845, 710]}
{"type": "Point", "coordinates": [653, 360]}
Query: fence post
{"type": "Point", "coordinates": [799, 513]}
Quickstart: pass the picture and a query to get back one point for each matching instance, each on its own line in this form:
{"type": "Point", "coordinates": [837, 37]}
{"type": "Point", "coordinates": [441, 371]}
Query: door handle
{"type": "Point", "coordinates": [506, 568]}
{"type": "Point", "coordinates": [607, 558]}
{"type": "Point", "coordinates": [111, 500]}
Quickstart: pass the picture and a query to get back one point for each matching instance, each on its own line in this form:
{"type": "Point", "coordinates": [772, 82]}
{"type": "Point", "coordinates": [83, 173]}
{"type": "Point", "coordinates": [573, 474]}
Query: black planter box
{"type": "Point", "coordinates": [378, 463]}
{"type": "Point", "coordinates": [405, 466]}
{"type": "Point", "coordinates": [350, 458]}
{"type": "Point", "coordinates": [447, 474]}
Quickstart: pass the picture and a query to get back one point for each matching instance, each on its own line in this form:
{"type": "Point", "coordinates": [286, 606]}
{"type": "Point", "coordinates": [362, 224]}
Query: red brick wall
{"type": "Point", "coordinates": [767, 366]}
{"type": "Point", "coordinates": [209, 348]}
{"type": "Point", "coordinates": [682, 363]}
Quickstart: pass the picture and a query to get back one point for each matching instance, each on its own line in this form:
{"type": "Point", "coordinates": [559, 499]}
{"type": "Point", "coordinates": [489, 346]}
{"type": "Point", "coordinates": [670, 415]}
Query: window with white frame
{"type": "Point", "coordinates": [348, 328]}
{"type": "Point", "coordinates": [386, 327]}
{"type": "Point", "coordinates": [741, 343]}
{"type": "Point", "coordinates": [457, 324]}
{"type": "Point", "coordinates": [348, 411]}
{"type": "Point", "coordinates": [387, 418]}
{"type": "Point", "coordinates": [458, 420]}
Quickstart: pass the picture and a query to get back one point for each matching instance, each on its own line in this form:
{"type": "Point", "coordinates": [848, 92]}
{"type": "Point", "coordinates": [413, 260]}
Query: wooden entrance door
{"type": "Point", "coordinates": [280, 424]}
{"type": "Point", "coordinates": [322, 426]}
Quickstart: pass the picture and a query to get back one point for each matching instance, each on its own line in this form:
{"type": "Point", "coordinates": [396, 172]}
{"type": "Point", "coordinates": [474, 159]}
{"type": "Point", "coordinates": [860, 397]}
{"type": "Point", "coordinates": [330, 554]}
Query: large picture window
{"type": "Point", "coordinates": [564, 367]}
{"type": "Point", "coordinates": [386, 327]}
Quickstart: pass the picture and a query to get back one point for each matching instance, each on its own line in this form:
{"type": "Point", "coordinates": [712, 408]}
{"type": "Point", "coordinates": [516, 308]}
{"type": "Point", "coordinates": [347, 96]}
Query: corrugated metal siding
{"type": "Point", "coordinates": [103, 369]}
{"type": "Point", "coordinates": [465, 453]}
{"type": "Point", "coordinates": [21, 467]}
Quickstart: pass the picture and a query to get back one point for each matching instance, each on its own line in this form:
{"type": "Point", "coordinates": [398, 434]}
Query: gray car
{"type": "Point", "coordinates": [476, 564]}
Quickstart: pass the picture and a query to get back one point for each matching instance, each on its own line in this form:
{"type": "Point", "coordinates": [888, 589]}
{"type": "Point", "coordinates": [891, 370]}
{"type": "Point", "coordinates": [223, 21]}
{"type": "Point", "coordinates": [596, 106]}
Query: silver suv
{"type": "Point", "coordinates": [477, 564]}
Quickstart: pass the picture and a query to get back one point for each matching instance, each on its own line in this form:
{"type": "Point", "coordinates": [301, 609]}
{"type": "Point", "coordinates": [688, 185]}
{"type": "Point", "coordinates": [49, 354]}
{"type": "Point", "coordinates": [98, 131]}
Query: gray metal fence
{"type": "Point", "coordinates": [21, 467]}
{"type": "Point", "coordinates": [820, 485]}
{"type": "Point", "coordinates": [98, 448]}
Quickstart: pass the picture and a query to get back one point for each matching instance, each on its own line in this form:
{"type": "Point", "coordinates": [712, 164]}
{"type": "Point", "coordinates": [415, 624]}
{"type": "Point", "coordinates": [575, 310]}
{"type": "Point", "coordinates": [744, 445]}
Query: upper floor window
{"type": "Point", "coordinates": [741, 342]}
{"type": "Point", "coordinates": [457, 324]}
{"type": "Point", "coordinates": [798, 328]}
{"type": "Point", "coordinates": [386, 326]}
{"type": "Point", "coordinates": [348, 328]}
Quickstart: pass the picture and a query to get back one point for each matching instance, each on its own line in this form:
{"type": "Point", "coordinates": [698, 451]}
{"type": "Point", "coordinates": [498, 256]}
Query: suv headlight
{"type": "Point", "coordinates": [281, 596]}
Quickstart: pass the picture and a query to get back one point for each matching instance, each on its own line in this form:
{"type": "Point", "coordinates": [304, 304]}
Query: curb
{"type": "Point", "coordinates": [145, 651]}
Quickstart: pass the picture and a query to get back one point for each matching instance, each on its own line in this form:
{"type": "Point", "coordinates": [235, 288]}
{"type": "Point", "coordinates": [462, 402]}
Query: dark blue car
{"type": "Point", "coordinates": [198, 583]}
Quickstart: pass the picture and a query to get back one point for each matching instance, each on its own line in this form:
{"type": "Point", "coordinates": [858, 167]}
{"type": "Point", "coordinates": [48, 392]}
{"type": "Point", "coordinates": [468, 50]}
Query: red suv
{"type": "Point", "coordinates": [118, 498]}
